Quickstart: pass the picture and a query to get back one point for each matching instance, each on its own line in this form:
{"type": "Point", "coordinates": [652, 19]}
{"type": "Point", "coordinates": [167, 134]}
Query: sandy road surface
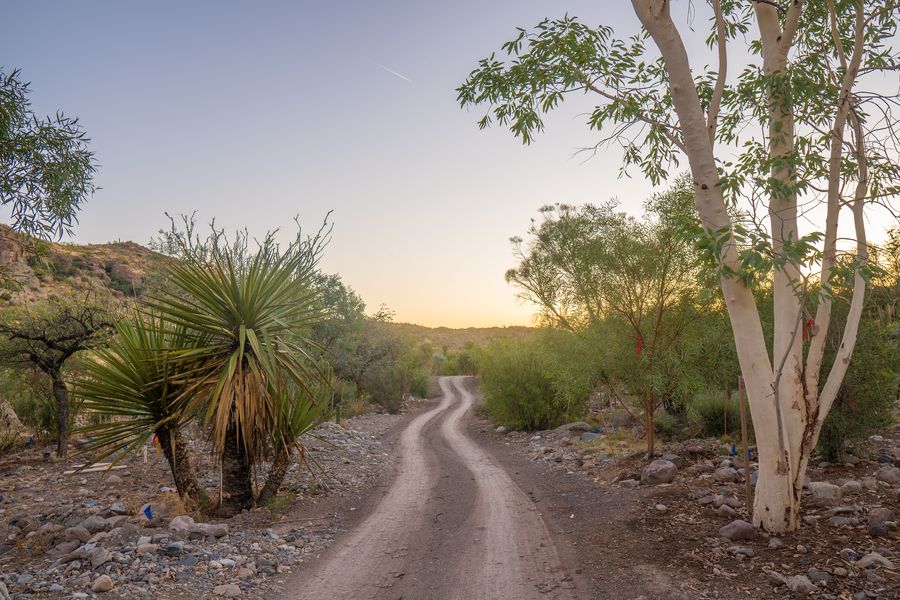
{"type": "Point", "coordinates": [452, 525]}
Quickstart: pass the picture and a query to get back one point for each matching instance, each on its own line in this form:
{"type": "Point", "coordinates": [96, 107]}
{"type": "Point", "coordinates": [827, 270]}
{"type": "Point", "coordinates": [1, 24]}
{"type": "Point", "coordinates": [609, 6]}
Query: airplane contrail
{"type": "Point", "coordinates": [393, 72]}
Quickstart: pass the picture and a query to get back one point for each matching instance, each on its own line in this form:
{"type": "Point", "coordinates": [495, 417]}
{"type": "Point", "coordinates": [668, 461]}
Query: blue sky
{"type": "Point", "coordinates": [255, 112]}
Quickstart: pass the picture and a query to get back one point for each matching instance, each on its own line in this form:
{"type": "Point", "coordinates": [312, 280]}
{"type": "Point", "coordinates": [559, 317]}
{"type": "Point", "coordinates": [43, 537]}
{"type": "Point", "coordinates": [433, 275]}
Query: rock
{"type": "Point", "coordinates": [738, 530]}
{"type": "Point", "coordinates": [574, 428]}
{"type": "Point", "coordinates": [94, 524]}
{"type": "Point", "coordinates": [662, 507]}
{"type": "Point", "coordinates": [228, 590]}
{"type": "Point", "coordinates": [99, 556]}
{"type": "Point", "coordinates": [742, 551]}
{"type": "Point", "coordinates": [4, 593]}
{"type": "Point", "coordinates": [822, 490]}
{"type": "Point", "coordinates": [849, 555]}
{"type": "Point", "coordinates": [889, 475]}
{"type": "Point", "coordinates": [870, 483]}
{"type": "Point", "coordinates": [726, 475]}
{"type": "Point", "coordinates": [839, 521]}
{"type": "Point", "coordinates": [182, 523]}
{"type": "Point", "coordinates": [78, 534]}
{"type": "Point", "coordinates": [243, 573]}
{"type": "Point", "coordinates": [816, 576]}
{"type": "Point", "coordinates": [840, 571]}
{"type": "Point", "coordinates": [118, 508]}
{"type": "Point", "coordinates": [173, 548]}
{"type": "Point", "coordinates": [147, 549]}
{"type": "Point", "coordinates": [674, 459]}
{"type": "Point", "coordinates": [873, 559]}
{"type": "Point", "coordinates": [113, 480]}
{"type": "Point", "coordinates": [503, 429]}
{"type": "Point", "coordinates": [775, 578]}
{"type": "Point", "coordinates": [725, 511]}
{"type": "Point", "coordinates": [775, 543]}
{"type": "Point", "coordinates": [588, 436]}
{"type": "Point", "coordinates": [800, 585]}
{"type": "Point", "coordinates": [879, 516]}
{"type": "Point", "coordinates": [852, 487]}
{"type": "Point", "coordinates": [188, 560]}
{"type": "Point", "coordinates": [659, 471]}
{"type": "Point", "coordinates": [102, 584]}
{"type": "Point", "coordinates": [211, 529]}
{"type": "Point", "coordinates": [629, 483]}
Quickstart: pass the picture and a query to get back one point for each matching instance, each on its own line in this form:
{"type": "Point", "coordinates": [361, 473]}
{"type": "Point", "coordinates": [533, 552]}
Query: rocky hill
{"type": "Point", "coordinates": [35, 270]}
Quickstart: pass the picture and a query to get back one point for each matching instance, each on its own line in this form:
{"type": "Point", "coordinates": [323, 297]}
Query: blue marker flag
{"type": "Point", "coordinates": [148, 511]}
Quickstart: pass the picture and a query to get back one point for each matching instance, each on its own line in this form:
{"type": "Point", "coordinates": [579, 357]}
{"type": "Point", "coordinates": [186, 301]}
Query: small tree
{"type": "Point", "coordinates": [45, 336]}
{"type": "Point", "coordinates": [591, 266]}
{"type": "Point", "coordinates": [46, 169]}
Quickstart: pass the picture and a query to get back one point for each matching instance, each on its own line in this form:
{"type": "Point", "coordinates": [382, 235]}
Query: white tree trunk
{"type": "Point", "coordinates": [787, 418]}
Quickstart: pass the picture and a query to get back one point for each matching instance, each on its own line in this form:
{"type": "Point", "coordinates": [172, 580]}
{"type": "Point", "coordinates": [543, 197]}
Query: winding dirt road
{"type": "Point", "coordinates": [452, 526]}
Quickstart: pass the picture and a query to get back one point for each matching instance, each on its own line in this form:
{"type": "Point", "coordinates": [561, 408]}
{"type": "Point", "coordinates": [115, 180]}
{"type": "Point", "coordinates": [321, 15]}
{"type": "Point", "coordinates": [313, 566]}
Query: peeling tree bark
{"type": "Point", "coordinates": [785, 403]}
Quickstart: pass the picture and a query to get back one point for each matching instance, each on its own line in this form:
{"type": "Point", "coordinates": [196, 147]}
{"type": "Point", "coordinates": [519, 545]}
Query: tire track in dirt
{"type": "Point", "coordinates": [452, 526]}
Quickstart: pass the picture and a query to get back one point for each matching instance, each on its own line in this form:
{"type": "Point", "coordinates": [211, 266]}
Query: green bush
{"type": "Point", "coordinates": [385, 386]}
{"type": "Point", "coordinates": [708, 408]}
{"type": "Point", "coordinates": [867, 396]}
{"type": "Point", "coordinates": [526, 385]}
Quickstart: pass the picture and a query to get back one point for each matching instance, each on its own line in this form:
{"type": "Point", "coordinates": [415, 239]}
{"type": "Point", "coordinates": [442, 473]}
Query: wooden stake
{"type": "Point", "coordinates": [749, 487]}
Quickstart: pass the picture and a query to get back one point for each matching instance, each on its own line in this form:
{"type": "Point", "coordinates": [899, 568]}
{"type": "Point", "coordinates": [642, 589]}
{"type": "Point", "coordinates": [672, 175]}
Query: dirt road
{"type": "Point", "coordinates": [452, 525]}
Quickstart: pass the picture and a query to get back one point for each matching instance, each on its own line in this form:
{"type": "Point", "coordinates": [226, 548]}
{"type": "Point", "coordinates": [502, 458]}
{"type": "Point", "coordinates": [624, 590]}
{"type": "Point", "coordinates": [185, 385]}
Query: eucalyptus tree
{"type": "Point", "coordinates": [805, 120]}
{"type": "Point", "coordinates": [46, 168]}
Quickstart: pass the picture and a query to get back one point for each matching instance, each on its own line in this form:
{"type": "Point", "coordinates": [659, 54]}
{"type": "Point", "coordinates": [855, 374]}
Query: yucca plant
{"type": "Point", "coordinates": [246, 320]}
{"type": "Point", "coordinates": [133, 382]}
{"type": "Point", "coordinates": [305, 409]}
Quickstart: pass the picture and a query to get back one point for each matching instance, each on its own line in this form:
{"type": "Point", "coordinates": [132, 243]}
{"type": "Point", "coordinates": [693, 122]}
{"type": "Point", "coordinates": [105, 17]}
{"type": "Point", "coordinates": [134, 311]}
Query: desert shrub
{"type": "Point", "coordinates": [708, 408]}
{"type": "Point", "coordinates": [526, 384]}
{"type": "Point", "coordinates": [385, 386]}
{"type": "Point", "coordinates": [865, 400]}
{"type": "Point", "coordinates": [29, 394]}
{"type": "Point", "coordinates": [667, 425]}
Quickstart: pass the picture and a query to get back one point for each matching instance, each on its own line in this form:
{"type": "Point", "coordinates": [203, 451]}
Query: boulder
{"type": "Point", "coordinates": [79, 534]}
{"type": "Point", "coordinates": [227, 590]}
{"type": "Point", "coordinates": [575, 428]}
{"type": "Point", "coordinates": [674, 459]}
{"type": "Point", "coordinates": [888, 475]}
{"type": "Point", "coordinates": [659, 471]}
{"type": "Point", "coordinates": [738, 530]}
{"type": "Point", "coordinates": [879, 516]}
{"type": "Point", "coordinates": [94, 524]}
{"type": "Point", "coordinates": [102, 584]}
{"type": "Point", "coordinates": [873, 559]}
{"type": "Point", "coordinates": [824, 491]}
{"type": "Point", "coordinates": [209, 529]}
{"type": "Point", "coordinates": [181, 523]}
{"type": "Point", "coordinates": [800, 585]}
{"type": "Point", "coordinates": [725, 475]}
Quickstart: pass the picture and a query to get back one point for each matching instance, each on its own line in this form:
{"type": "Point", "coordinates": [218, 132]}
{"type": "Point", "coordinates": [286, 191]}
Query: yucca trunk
{"type": "Point", "coordinates": [279, 470]}
{"type": "Point", "coordinates": [61, 394]}
{"type": "Point", "coordinates": [237, 486]}
{"type": "Point", "coordinates": [175, 450]}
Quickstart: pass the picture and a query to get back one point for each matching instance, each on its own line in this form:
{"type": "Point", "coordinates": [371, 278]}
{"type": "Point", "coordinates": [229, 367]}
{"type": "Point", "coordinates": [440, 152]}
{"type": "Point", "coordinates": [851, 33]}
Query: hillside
{"type": "Point", "coordinates": [57, 268]}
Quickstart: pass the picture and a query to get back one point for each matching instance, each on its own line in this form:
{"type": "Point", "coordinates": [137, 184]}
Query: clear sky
{"type": "Point", "coordinates": [253, 112]}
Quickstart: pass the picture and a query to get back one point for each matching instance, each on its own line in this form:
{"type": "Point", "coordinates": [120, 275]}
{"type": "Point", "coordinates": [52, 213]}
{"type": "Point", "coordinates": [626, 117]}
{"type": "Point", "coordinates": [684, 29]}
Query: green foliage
{"type": "Point", "coordinates": [529, 384]}
{"type": "Point", "coordinates": [135, 382]}
{"type": "Point", "coordinates": [28, 392]}
{"type": "Point", "coordinates": [869, 392]}
{"type": "Point", "coordinates": [246, 317]}
{"type": "Point", "coordinates": [715, 413]}
{"type": "Point", "coordinates": [46, 169]}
